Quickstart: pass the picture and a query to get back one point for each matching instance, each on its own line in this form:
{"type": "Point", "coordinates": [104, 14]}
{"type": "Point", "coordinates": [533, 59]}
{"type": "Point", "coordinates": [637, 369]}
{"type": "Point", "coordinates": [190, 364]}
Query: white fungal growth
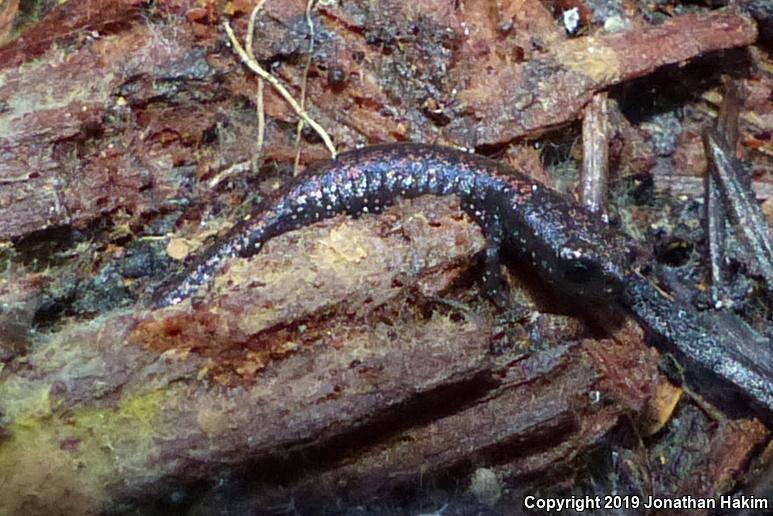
{"type": "Point", "coordinates": [571, 20]}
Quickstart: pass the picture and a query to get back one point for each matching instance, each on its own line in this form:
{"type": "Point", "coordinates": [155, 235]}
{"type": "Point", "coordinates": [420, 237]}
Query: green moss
{"type": "Point", "coordinates": [66, 463]}
{"type": "Point", "coordinates": [39, 476]}
{"type": "Point", "coordinates": [22, 400]}
{"type": "Point", "coordinates": [125, 436]}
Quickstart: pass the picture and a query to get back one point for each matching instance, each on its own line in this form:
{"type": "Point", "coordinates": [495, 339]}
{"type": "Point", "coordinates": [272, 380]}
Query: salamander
{"type": "Point", "coordinates": [571, 249]}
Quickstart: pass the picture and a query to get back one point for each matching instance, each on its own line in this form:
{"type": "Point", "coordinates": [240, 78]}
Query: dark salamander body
{"type": "Point", "coordinates": [571, 249]}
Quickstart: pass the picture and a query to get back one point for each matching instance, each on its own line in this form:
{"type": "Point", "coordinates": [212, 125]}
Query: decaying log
{"type": "Point", "coordinates": [545, 410]}
{"type": "Point", "coordinates": [132, 113]}
{"type": "Point", "coordinates": [108, 124]}
{"type": "Point", "coordinates": [548, 92]}
{"type": "Point", "coordinates": [117, 406]}
{"type": "Point", "coordinates": [296, 353]}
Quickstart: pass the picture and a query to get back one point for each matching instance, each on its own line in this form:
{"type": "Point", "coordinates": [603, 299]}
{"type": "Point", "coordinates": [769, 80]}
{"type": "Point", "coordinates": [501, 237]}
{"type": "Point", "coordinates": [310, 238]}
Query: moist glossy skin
{"type": "Point", "coordinates": [570, 248]}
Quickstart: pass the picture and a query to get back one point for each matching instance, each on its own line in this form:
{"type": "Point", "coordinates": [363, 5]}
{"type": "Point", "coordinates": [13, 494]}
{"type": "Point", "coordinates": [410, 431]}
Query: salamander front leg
{"type": "Point", "coordinates": [494, 285]}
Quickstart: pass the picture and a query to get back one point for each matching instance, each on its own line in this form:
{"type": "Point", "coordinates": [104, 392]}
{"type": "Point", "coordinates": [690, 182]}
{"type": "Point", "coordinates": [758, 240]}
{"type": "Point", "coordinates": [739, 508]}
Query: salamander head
{"type": "Point", "coordinates": [575, 251]}
{"type": "Point", "coordinates": [590, 274]}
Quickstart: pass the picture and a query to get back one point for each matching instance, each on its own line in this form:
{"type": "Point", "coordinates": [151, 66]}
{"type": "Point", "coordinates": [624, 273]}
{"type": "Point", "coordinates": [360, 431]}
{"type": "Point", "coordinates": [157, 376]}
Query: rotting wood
{"type": "Point", "coordinates": [278, 355]}
{"type": "Point", "coordinates": [545, 93]}
{"type": "Point", "coordinates": [145, 405]}
{"type": "Point", "coordinates": [112, 127]}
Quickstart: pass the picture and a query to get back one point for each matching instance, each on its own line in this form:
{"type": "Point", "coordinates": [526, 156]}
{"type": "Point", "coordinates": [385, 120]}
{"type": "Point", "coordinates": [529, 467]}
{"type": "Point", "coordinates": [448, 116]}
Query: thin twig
{"type": "Point", "coordinates": [253, 65]}
{"type": "Point", "coordinates": [259, 107]}
{"type": "Point", "coordinates": [236, 168]}
{"type": "Point", "coordinates": [299, 129]}
{"type": "Point", "coordinates": [251, 28]}
{"type": "Point", "coordinates": [19, 179]}
{"type": "Point", "coordinates": [595, 155]}
{"type": "Point", "coordinates": [258, 158]}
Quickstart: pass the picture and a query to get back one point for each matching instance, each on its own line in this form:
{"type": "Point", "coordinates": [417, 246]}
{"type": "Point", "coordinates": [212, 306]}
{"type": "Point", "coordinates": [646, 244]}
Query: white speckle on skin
{"type": "Point", "coordinates": [567, 253]}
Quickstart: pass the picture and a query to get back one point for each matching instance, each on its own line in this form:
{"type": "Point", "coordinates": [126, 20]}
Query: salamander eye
{"type": "Point", "coordinates": [580, 271]}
